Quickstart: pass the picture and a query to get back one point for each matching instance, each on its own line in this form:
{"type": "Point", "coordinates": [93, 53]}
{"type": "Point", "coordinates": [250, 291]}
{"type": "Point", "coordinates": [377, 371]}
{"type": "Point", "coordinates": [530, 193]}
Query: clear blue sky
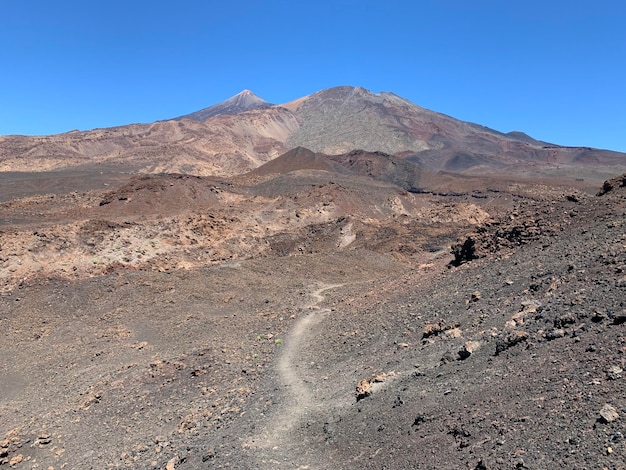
{"type": "Point", "coordinates": [554, 69]}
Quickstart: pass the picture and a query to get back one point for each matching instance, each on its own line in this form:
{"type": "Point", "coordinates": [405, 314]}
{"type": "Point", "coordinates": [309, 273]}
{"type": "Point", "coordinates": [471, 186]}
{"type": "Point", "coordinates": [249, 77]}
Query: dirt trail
{"type": "Point", "coordinates": [298, 396]}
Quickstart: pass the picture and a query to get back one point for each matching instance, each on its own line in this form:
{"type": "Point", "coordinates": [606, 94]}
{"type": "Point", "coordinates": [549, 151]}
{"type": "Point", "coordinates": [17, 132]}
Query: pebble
{"type": "Point", "coordinates": [614, 373]}
{"type": "Point", "coordinates": [171, 465]}
{"type": "Point", "coordinates": [608, 413]}
{"type": "Point", "coordinates": [555, 333]}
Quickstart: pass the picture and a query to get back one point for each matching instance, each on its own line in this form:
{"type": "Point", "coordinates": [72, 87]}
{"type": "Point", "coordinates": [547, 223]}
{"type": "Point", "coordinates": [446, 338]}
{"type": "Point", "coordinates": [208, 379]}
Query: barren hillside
{"type": "Point", "coordinates": [306, 315]}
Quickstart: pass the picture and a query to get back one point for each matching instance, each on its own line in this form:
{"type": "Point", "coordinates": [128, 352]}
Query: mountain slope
{"type": "Point", "coordinates": [341, 119]}
{"type": "Point", "coordinates": [224, 145]}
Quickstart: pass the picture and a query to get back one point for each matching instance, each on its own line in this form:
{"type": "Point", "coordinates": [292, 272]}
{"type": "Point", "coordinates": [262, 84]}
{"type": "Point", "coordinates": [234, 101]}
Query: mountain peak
{"type": "Point", "coordinates": [348, 94]}
{"type": "Point", "coordinates": [245, 100]}
{"type": "Point", "coordinates": [344, 91]}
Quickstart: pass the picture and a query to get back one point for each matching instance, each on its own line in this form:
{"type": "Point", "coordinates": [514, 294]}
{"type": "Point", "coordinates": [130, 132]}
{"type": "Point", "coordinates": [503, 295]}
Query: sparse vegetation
{"type": "Point", "coordinates": [464, 252]}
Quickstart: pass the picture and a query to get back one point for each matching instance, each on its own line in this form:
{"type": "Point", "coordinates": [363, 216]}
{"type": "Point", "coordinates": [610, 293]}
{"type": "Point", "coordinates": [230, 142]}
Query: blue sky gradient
{"type": "Point", "coordinates": [555, 70]}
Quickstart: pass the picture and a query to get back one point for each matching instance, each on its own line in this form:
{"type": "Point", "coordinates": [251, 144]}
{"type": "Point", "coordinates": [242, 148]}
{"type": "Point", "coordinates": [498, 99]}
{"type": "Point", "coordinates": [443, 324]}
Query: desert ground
{"type": "Point", "coordinates": [306, 317]}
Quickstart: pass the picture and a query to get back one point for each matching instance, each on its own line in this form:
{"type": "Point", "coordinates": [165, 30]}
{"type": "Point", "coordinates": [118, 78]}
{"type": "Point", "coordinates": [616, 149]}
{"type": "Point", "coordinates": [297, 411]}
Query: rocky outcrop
{"type": "Point", "coordinates": [612, 184]}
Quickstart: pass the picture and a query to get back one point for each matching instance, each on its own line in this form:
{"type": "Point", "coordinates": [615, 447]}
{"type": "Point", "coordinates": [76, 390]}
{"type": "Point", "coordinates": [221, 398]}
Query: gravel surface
{"type": "Point", "coordinates": [330, 347]}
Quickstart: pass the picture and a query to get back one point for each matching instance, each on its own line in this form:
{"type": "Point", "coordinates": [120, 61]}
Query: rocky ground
{"type": "Point", "coordinates": [312, 320]}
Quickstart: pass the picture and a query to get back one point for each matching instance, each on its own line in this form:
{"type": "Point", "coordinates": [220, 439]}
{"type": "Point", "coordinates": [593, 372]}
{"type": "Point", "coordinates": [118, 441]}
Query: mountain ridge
{"type": "Point", "coordinates": [244, 132]}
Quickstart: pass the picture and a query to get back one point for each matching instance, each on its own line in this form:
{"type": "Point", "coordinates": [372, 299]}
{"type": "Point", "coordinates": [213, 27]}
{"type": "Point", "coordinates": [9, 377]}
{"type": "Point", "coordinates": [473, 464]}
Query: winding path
{"type": "Point", "coordinates": [298, 397]}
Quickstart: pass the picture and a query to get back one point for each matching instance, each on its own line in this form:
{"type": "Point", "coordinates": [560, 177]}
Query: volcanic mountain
{"type": "Point", "coordinates": [243, 101]}
{"type": "Point", "coordinates": [244, 132]}
{"type": "Point", "coordinates": [353, 118]}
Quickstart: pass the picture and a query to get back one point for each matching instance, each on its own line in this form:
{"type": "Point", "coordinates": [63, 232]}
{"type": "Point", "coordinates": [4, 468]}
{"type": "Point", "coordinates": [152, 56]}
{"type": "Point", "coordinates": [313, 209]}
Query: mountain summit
{"type": "Point", "coordinates": [243, 101]}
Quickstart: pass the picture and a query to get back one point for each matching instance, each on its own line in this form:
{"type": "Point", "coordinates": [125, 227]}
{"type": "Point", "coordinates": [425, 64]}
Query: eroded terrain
{"type": "Point", "coordinates": [310, 319]}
